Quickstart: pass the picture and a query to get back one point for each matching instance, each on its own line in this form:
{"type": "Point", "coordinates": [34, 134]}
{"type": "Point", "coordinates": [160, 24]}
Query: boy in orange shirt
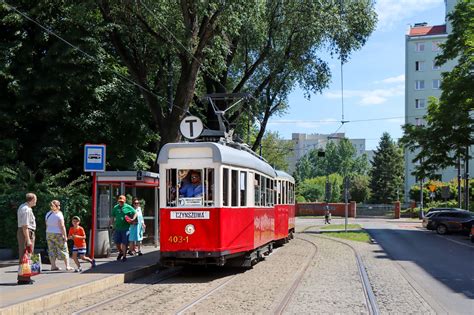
{"type": "Point", "coordinates": [78, 235]}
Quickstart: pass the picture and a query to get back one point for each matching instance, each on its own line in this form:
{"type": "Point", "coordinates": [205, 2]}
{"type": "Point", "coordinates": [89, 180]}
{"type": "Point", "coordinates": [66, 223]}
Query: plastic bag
{"type": "Point", "coordinates": [24, 270]}
{"type": "Point", "coordinates": [36, 267]}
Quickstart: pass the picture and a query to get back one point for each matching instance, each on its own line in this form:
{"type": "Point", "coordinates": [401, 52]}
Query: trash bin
{"type": "Point", "coordinates": [102, 243]}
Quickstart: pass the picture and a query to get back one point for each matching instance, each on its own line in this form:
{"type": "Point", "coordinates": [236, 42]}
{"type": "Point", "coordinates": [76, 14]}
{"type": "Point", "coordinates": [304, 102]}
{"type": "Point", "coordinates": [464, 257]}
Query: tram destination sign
{"type": "Point", "coordinates": [182, 215]}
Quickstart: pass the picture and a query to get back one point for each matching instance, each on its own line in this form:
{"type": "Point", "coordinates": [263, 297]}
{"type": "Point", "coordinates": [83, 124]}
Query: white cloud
{"type": "Point", "coordinates": [369, 97]}
{"type": "Point", "coordinates": [391, 11]}
{"type": "Point", "coordinates": [398, 79]}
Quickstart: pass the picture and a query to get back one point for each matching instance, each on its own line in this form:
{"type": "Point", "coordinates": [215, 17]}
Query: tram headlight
{"type": "Point", "coordinates": [189, 229]}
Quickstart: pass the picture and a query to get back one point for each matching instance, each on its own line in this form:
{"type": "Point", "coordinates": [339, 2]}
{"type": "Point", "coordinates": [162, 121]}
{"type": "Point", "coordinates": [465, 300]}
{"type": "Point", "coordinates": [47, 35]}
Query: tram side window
{"type": "Point", "coordinates": [292, 193]}
{"type": "Point", "coordinates": [171, 195]}
{"type": "Point", "coordinates": [208, 186]}
{"type": "Point", "coordinates": [263, 189]}
{"type": "Point", "coordinates": [269, 201]}
{"type": "Point", "coordinates": [243, 189]}
{"type": "Point", "coordinates": [234, 188]}
{"type": "Point", "coordinates": [257, 189]}
{"type": "Point", "coordinates": [225, 187]}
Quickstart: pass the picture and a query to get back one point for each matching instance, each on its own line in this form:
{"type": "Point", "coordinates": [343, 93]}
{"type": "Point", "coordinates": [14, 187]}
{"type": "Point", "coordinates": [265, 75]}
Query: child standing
{"type": "Point", "coordinates": [78, 235]}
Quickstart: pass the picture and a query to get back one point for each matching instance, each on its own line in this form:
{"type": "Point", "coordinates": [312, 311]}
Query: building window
{"type": "Point", "coordinates": [419, 65]}
{"type": "Point", "coordinates": [419, 47]}
{"type": "Point", "coordinates": [435, 67]}
{"type": "Point", "coordinates": [420, 103]}
{"type": "Point", "coordinates": [419, 122]}
{"type": "Point", "coordinates": [435, 45]}
{"type": "Point", "coordinates": [436, 84]}
{"type": "Point", "coordinates": [419, 84]}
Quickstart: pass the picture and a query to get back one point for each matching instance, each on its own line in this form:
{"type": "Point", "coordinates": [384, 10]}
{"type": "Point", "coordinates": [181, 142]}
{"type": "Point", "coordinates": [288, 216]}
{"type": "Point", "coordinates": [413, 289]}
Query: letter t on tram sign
{"type": "Point", "coordinates": [191, 127]}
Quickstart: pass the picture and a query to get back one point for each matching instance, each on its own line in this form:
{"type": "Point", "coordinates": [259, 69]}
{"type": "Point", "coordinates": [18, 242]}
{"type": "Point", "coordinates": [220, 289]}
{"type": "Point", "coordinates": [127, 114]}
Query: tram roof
{"type": "Point", "coordinates": [224, 154]}
{"type": "Point", "coordinates": [285, 175]}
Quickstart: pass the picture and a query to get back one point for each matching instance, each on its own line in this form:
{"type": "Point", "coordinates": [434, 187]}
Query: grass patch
{"type": "Point", "coordinates": [358, 236]}
{"type": "Point", "coordinates": [340, 226]}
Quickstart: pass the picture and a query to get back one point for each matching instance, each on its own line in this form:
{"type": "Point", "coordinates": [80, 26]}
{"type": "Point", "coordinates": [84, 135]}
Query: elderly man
{"type": "Point", "coordinates": [26, 231]}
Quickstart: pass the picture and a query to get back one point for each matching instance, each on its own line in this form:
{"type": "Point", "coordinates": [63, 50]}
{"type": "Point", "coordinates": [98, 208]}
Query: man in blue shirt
{"type": "Point", "coordinates": [193, 188]}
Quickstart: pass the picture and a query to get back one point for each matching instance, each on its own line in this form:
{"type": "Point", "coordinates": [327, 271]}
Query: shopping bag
{"type": "Point", "coordinates": [36, 267]}
{"type": "Point", "coordinates": [24, 269]}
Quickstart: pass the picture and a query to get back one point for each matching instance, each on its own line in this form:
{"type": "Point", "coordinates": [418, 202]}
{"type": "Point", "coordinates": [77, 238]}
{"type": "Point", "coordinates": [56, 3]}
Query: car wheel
{"type": "Point", "coordinates": [441, 229]}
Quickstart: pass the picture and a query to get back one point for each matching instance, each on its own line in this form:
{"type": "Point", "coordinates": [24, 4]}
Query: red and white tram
{"type": "Point", "coordinates": [245, 206]}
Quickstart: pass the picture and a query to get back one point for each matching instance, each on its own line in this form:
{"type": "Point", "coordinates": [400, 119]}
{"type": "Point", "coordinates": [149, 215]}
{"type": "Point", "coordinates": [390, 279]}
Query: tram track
{"type": "Point", "coordinates": [370, 300]}
{"type": "Point", "coordinates": [165, 275]}
{"type": "Point", "coordinates": [291, 291]}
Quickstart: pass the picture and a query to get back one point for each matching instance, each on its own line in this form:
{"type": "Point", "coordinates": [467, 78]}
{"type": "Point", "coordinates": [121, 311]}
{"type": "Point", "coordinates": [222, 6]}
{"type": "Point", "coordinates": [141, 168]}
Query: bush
{"type": "Point", "coordinates": [16, 181]}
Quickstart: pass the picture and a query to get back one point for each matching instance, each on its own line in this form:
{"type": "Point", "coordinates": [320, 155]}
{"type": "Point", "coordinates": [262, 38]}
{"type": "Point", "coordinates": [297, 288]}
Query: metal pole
{"type": "Point", "coordinates": [422, 214]}
{"type": "Point", "coordinates": [94, 212]}
{"type": "Point", "coordinates": [346, 197]}
{"type": "Point", "coordinates": [157, 217]}
{"type": "Point", "coordinates": [466, 179]}
{"type": "Point", "coordinates": [459, 181]}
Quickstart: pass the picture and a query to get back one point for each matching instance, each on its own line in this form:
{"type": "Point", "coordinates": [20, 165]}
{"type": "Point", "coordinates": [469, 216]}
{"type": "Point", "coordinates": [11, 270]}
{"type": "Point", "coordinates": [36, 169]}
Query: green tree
{"type": "Point", "coordinates": [339, 158]}
{"type": "Point", "coordinates": [359, 188]}
{"type": "Point", "coordinates": [56, 98]}
{"type": "Point", "coordinates": [386, 182]}
{"type": "Point", "coordinates": [276, 150]}
{"type": "Point", "coordinates": [314, 189]}
{"type": "Point", "coordinates": [449, 125]}
{"type": "Point", "coordinates": [177, 52]}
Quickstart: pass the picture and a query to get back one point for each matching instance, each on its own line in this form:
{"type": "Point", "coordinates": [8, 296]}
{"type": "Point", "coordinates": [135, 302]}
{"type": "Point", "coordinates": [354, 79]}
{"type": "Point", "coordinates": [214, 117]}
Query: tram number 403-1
{"type": "Point", "coordinates": [177, 239]}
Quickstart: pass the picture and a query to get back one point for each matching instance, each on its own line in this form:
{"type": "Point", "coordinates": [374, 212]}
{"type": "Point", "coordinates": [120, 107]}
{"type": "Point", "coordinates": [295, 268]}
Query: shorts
{"type": "Point", "coordinates": [121, 236]}
{"type": "Point", "coordinates": [79, 251]}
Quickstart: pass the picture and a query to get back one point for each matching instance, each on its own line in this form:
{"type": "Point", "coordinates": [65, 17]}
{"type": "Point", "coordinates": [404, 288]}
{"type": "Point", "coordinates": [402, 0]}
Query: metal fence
{"type": "Point", "coordinates": [375, 211]}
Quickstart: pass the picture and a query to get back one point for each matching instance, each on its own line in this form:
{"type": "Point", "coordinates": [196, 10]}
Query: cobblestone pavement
{"type": "Point", "coordinates": [393, 291]}
{"type": "Point", "coordinates": [331, 284]}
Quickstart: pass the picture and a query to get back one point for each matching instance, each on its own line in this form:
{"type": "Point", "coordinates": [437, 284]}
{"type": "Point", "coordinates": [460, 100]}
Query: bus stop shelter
{"type": "Point", "coordinates": [140, 184]}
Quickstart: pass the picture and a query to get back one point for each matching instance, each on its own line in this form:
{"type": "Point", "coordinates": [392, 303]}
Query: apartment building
{"type": "Point", "coordinates": [422, 80]}
{"type": "Point", "coordinates": [303, 143]}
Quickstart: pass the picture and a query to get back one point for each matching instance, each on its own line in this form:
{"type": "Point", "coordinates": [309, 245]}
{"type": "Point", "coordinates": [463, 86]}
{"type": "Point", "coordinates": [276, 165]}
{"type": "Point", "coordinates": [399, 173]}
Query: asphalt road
{"type": "Point", "coordinates": [441, 268]}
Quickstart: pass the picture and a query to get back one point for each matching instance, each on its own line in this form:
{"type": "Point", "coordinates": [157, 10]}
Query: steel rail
{"type": "Point", "coordinates": [369, 295]}
{"type": "Point", "coordinates": [204, 296]}
{"type": "Point", "coordinates": [161, 277]}
{"type": "Point", "coordinates": [289, 294]}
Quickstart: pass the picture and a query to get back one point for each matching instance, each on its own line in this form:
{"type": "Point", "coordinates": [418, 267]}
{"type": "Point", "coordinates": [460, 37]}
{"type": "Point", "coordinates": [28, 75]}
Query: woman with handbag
{"type": "Point", "coordinates": [56, 236]}
{"type": "Point", "coordinates": [137, 228]}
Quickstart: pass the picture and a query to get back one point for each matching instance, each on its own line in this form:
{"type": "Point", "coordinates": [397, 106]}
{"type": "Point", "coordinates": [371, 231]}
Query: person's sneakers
{"type": "Point", "coordinates": [23, 282]}
{"type": "Point", "coordinates": [130, 253]}
{"type": "Point", "coordinates": [78, 269]}
{"type": "Point", "coordinates": [93, 263]}
{"type": "Point", "coordinates": [140, 253]}
{"type": "Point", "coordinates": [119, 256]}
{"type": "Point", "coordinates": [124, 259]}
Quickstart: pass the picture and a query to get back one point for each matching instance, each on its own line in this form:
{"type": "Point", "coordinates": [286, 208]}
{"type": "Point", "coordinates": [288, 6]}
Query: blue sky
{"type": "Point", "coordinates": [374, 81]}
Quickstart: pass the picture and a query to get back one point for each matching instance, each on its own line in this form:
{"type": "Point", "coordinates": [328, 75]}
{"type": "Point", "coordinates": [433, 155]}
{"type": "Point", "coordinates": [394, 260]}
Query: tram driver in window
{"type": "Point", "coordinates": [192, 188]}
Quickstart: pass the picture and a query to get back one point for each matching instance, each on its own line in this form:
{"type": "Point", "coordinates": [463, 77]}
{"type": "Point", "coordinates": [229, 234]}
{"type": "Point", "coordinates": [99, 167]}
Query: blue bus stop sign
{"type": "Point", "coordinates": [94, 158]}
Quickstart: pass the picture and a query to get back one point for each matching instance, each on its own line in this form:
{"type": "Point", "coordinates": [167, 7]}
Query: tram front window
{"type": "Point", "coordinates": [190, 187]}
